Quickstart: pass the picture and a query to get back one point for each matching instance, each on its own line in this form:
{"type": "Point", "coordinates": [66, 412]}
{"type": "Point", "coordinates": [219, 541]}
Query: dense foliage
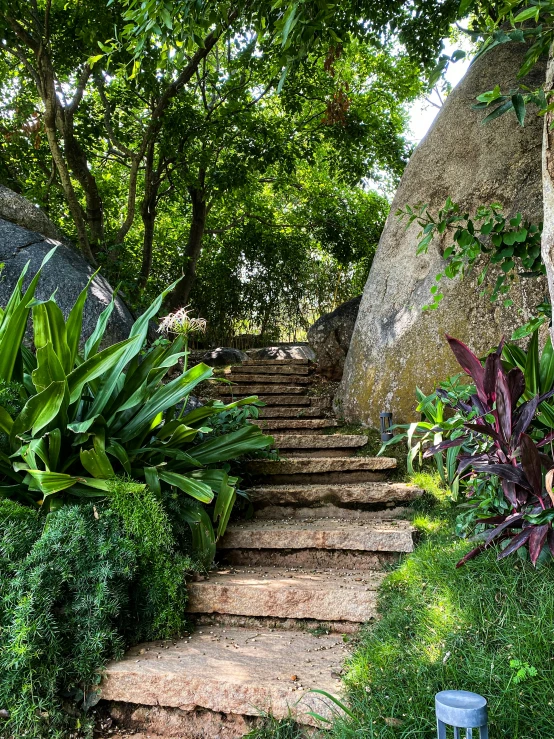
{"type": "Point", "coordinates": [179, 127]}
{"type": "Point", "coordinates": [112, 489]}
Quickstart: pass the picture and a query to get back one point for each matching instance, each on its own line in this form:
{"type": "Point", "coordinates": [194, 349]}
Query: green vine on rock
{"type": "Point", "coordinates": [511, 243]}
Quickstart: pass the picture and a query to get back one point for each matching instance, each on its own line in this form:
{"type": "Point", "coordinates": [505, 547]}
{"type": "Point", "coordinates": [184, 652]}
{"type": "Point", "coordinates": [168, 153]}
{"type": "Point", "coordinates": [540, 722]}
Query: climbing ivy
{"type": "Point", "coordinates": [511, 243]}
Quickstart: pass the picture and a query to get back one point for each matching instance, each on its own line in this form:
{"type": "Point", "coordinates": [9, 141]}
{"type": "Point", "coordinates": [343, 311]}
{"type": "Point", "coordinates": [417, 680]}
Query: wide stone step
{"type": "Point", "coordinates": [374, 536]}
{"type": "Point", "coordinates": [297, 402]}
{"type": "Point", "coordinates": [307, 425]}
{"type": "Point", "coordinates": [326, 596]}
{"type": "Point", "coordinates": [366, 493]}
{"type": "Point", "coordinates": [329, 441]}
{"type": "Point", "coordinates": [233, 671]}
{"type": "Point", "coordinates": [224, 389]}
{"type": "Point", "coordinates": [275, 368]}
{"type": "Point", "coordinates": [293, 413]}
{"type": "Point", "coordinates": [245, 379]}
{"type": "Point", "coordinates": [326, 470]}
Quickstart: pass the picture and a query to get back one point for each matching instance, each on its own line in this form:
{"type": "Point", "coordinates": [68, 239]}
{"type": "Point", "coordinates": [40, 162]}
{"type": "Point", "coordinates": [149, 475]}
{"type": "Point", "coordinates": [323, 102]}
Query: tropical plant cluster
{"type": "Point", "coordinates": [490, 439]}
{"type": "Point", "coordinates": [112, 489]}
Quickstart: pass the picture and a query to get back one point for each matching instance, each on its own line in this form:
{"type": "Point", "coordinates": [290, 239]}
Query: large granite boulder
{"type": "Point", "coordinates": [330, 338]}
{"type": "Point", "coordinates": [66, 274]}
{"type": "Point", "coordinates": [396, 345]}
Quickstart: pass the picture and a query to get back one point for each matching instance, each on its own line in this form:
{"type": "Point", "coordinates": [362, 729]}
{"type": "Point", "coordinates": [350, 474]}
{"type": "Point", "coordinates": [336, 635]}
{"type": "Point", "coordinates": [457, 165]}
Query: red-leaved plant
{"type": "Point", "coordinates": [507, 452]}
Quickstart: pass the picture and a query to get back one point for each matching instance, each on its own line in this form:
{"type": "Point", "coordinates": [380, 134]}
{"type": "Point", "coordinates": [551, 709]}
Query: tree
{"type": "Point", "coordinates": [120, 105]}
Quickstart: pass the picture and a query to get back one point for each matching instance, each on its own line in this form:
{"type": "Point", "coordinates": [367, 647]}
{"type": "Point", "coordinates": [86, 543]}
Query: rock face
{"type": "Point", "coordinates": [66, 273]}
{"type": "Point", "coordinates": [330, 338]}
{"type": "Point", "coordinates": [395, 345]}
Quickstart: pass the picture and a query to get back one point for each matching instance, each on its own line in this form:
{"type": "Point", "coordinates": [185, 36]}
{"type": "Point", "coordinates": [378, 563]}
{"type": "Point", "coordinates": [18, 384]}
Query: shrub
{"type": "Point", "coordinates": [503, 450]}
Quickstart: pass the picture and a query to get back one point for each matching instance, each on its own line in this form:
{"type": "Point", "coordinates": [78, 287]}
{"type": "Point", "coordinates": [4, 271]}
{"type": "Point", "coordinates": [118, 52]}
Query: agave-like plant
{"type": "Point", "coordinates": [496, 429]}
{"type": "Point", "coordinates": [89, 417]}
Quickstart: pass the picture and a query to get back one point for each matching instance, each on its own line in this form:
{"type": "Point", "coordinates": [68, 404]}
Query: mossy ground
{"type": "Point", "coordinates": [487, 627]}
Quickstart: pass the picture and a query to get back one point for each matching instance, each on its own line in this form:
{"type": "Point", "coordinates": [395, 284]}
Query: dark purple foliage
{"type": "Point", "coordinates": [509, 453]}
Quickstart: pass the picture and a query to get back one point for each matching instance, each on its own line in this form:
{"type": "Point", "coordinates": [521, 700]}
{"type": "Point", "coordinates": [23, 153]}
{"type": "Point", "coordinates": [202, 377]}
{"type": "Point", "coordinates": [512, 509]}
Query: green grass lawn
{"type": "Point", "coordinates": [486, 627]}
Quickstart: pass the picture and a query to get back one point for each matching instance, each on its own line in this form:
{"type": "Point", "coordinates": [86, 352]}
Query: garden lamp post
{"type": "Point", "coordinates": [464, 711]}
{"type": "Point", "coordinates": [385, 422]}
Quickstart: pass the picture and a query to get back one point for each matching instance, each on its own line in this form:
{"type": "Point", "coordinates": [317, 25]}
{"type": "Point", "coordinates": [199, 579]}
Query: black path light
{"type": "Point", "coordinates": [385, 421]}
{"type": "Point", "coordinates": [464, 711]}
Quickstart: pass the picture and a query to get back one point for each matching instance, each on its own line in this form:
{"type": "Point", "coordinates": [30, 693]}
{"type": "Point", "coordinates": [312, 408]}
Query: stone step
{"type": "Point", "coordinates": [326, 596]}
{"type": "Point", "coordinates": [326, 470]}
{"type": "Point", "coordinates": [274, 512]}
{"type": "Point", "coordinates": [294, 425]}
{"type": "Point", "coordinates": [276, 368]}
{"type": "Point", "coordinates": [224, 389]}
{"type": "Point", "coordinates": [245, 379]}
{"type": "Point", "coordinates": [274, 362]}
{"type": "Point", "coordinates": [367, 493]}
{"type": "Point", "coordinates": [298, 402]}
{"type": "Point", "coordinates": [369, 536]}
{"type": "Point", "coordinates": [328, 441]}
{"type": "Point", "coordinates": [293, 413]}
{"type": "Point", "coordinates": [233, 671]}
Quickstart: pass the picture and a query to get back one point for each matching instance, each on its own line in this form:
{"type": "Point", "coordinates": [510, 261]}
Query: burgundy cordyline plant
{"type": "Point", "coordinates": [507, 452]}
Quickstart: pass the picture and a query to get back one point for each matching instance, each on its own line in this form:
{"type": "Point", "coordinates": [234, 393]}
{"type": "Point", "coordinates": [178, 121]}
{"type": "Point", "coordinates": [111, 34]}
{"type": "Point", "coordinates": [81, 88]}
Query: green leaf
{"type": "Point", "coordinates": [224, 505]}
{"type": "Point", "coordinates": [48, 368]}
{"type": "Point", "coordinates": [95, 460]}
{"type": "Point", "coordinates": [531, 371]}
{"type": "Point", "coordinates": [519, 106]}
{"type": "Point", "coordinates": [528, 13]}
{"type": "Point", "coordinates": [15, 322]}
{"type": "Point", "coordinates": [232, 445]}
{"type": "Point", "coordinates": [167, 396]}
{"type": "Point", "coordinates": [97, 365]}
{"type": "Point", "coordinates": [500, 110]}
{"type": "Point", "coordinates": [117, 451]}
{"type": "Point", "coordinates": [6, 421]}
{"type": "Point", "coordinates": [74, 324]}
{"type": "Point", "coordinates": [195, 488]}
{"type": "Point", "coordinates": [95, 339]}
{"type": "Point", "coordinates": [546, 367]}
{"type": "Point", "coordinates": [203, 537]}
{"type": "Point", "coordinates": [138, 332]}
{"type": "Point", "coordinates": [52, 482]}
{"type": "Point", "coordinates": [40, 410]}
{"type": "Point", "coordinates": [49, 327]}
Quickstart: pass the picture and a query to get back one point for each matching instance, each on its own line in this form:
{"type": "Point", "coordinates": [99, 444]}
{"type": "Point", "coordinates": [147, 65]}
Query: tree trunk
{"type": "Point", "coordinates": [180, 296]}
{"type": "Point", "coordinates": [547, 248]}
{"type": "Point", "coordinates": [148, 212]}
{"type": "Point", "coordinates": [78, 164]}
{"type": "Point", "coordinates": [50, 114]}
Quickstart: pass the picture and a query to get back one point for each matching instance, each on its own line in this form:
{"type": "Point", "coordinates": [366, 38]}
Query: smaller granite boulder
{"type": "Point", "coordinates": [224, 356]}
{"type": "Point", "coordinates": [283, 351]}
{"type": "Point", "coordinates": [330, 337]}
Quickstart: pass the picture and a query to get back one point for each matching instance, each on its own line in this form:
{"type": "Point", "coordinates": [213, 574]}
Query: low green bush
{"type": "Point", "coordinates": [69, 587]}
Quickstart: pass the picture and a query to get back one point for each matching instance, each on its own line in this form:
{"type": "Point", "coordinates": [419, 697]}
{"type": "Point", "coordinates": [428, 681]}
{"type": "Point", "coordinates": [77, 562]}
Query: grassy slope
{"type": "Point", "coordinates": [444, 628]}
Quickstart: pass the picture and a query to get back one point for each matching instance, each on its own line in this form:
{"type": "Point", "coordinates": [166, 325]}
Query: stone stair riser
{"type": "Point", "coordinates": [285, 412]}
{"type": "Point", "coordinates": [274, 362]}
{"type": "Point", "coordinates": [296, 425]}
{"type": "Point", "coordinates": [356, 494]}
{"type": "Point", "coordinates": [327, 441]}
{"type": "Point", "coordinates": [319, 478]}
{"type": "Point", "coordinates": [354, 539]}
{"type": "Point", "coordinates": [280, 467]}
{"type": "Point", "coordinates": [226, 620]}
{"type": "Point", "coordinates": [245, 390]}
{"type": "Point", "coordinates": [317, 453]}
{"type": "Point", "coordinates": [333, 605]}
{"type": "Point", "coordinates": [251, 379]}
{"type": "Point", "coordinates": [274, 513]}
{"type": "Point", "coordinates": [309, 558]}
{"type": "Point", "coordinates": [271, 369]}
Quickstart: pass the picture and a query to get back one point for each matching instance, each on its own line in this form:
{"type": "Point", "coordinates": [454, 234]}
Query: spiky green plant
{"type": "Point", "coordinates": [92, 416]}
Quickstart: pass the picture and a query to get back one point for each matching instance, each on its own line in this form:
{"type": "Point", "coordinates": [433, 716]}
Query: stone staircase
{"type": "Point", "coordinates": [290, 582]}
